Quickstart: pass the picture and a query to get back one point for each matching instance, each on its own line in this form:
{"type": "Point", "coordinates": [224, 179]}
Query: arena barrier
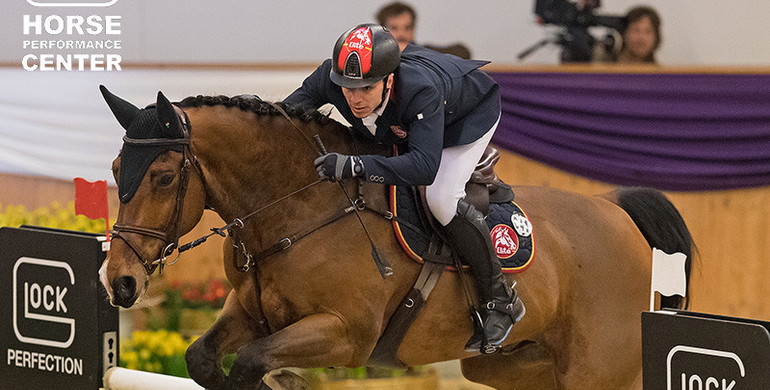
{"type": "Point", "coordinates": [57, 329]}
{"type": "Point", "coordinates": [118, 378]}
{"type": "Point", "coordinates": [684, 350]}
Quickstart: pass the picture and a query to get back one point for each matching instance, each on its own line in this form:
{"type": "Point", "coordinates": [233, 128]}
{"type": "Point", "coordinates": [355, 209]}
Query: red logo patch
{"type": "Point", "coordinates": [359, 41]}
{"type": "Point", "coordinates": [505, 240]}
{"type": "Point", "coordinates": [398, 131]}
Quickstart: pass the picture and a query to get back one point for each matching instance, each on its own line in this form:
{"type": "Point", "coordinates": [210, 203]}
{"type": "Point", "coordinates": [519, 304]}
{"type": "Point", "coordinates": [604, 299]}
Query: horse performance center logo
{"type": "Point", "coordinates": [64, 3]}
{"type": "Point", "coordinates": [56, 42]}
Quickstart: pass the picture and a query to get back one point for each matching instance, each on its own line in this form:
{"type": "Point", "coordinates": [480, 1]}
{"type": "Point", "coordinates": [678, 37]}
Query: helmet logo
{"type": "Point", "coordinates": [355, 57]}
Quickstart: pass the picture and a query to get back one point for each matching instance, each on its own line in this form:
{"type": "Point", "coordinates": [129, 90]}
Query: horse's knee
{"type": "Point", "coordinates": [249, 368]}
{"type": "Point", "coordinates": [203, 365]}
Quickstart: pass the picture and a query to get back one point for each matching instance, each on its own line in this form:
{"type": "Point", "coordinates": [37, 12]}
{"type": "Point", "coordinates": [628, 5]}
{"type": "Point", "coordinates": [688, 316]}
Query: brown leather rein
{"type": "Point", "coordinates": [189, 159]}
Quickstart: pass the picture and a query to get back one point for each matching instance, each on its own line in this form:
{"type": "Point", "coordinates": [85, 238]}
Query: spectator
{"type": "Point", "coordinates": [641, 37]}
{"type": "Point", "coordinates": [399, 18]}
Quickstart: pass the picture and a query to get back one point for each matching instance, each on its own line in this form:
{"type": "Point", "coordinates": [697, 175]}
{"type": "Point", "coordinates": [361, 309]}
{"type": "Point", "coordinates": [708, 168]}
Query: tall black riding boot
{"type": "Point", "coordinates": [500, 305]}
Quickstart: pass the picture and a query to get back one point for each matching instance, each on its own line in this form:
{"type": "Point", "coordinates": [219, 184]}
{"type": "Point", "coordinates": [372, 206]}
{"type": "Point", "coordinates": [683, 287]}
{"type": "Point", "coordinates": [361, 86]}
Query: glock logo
{"type": "Point", "coordinates": [39, 302]}
{"type": "Point", "coordinates": [696, 381]}
{"type": "Point", "coordinates": [66, 3]}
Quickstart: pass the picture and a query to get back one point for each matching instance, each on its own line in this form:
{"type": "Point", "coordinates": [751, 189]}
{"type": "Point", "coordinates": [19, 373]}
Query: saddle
{"type": "Point", "coordinates": [421, 237]}
{"type": "Point", "coordinates": [483, 188]}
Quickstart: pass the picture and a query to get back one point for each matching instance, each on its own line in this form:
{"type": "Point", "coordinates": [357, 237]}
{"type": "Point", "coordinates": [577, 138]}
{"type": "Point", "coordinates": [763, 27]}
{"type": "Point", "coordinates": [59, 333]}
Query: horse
{"type": "Point", "coordinates": [319, 300]}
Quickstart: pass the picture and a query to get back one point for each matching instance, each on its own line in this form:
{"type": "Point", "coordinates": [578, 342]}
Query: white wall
{"type": "Point", "coordinates": [713, 32]}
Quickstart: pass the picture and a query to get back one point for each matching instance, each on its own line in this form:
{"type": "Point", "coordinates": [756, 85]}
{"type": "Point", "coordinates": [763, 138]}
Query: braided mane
{"type": "Point", "coordinates": [251, 103]}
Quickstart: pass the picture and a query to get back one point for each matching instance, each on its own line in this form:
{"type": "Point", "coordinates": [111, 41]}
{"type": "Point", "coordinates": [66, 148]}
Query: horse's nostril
{"type": "Point", "coordinates": [124, 289]}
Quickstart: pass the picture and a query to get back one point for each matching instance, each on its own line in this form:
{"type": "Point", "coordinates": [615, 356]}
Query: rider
{"type": "Point", "coordinates": [446, 110]}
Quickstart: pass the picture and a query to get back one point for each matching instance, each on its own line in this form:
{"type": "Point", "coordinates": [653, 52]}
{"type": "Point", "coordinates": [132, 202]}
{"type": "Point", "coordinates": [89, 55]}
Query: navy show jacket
{"type": "Point", "coordinates": [438, 100]}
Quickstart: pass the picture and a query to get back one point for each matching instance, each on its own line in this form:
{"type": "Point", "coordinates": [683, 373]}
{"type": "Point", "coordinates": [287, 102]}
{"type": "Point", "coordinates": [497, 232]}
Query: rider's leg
{"type": "Point", "coordinates": [470, 236]}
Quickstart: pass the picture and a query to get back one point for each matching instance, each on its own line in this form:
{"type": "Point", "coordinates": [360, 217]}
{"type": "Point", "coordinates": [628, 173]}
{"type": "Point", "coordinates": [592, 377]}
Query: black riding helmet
{"type": "Point", "coordinates": [364, 55]}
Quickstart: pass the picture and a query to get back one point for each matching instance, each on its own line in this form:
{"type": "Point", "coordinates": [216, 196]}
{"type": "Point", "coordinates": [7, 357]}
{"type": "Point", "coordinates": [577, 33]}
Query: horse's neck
{"type": "Point", "coordinates": [250, 163]}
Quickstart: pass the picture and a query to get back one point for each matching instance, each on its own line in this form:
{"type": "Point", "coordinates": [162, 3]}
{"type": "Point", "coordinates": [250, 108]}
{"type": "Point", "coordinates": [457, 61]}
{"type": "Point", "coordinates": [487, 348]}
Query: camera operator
{"type": "Point", "coordinates": [639, 32]}
{"type": "Point", "coordinates": [641, 37]}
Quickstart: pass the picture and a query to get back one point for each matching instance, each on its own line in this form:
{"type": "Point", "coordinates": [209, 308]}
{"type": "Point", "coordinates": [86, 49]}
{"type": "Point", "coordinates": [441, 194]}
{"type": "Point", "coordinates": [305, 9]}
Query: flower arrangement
{"type": "Point", "coordinates": [191, 308]}
{"type": "Point", "coordinates": [158, 351]}
{"type": "Point", "coordinates": [54, 216]}
{"type": "Point", "coordinates": [208, 295]}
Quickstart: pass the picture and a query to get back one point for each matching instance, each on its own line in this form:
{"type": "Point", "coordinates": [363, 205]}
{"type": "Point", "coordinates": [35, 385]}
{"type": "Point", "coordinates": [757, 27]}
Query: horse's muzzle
{"type": "Point", "coordinates": [124, 291]}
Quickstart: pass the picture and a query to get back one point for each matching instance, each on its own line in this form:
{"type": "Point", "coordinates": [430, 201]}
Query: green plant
{"type": "Point", "coordinates": [55, 216]}
{"type": "Point", "coordinates": [158, 351]}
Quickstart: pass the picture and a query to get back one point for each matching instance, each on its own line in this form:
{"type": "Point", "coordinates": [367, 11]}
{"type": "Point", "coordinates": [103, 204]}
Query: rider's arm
{"type": "Point", "coordinates": [424, 118]}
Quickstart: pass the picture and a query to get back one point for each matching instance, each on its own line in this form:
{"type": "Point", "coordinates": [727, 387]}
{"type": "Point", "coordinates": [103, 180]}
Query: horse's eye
{"type": "Point", "coordinates": [165, 180]}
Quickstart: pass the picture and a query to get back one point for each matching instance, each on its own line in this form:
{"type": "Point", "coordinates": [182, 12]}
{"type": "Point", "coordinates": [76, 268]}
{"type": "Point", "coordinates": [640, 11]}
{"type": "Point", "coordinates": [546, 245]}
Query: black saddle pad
{"type": "Point", "coordinates": [509, 227]}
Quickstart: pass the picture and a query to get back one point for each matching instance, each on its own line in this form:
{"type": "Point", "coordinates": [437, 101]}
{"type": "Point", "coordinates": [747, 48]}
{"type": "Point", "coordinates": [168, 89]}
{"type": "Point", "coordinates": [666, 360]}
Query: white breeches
{"type": "Point", "coordinates": [454, 171]}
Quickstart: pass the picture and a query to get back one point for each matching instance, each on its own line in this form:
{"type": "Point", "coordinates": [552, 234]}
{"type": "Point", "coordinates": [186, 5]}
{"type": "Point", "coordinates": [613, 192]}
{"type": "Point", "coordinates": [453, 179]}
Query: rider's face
{"type": "Point", "coordinates": [363, 101]}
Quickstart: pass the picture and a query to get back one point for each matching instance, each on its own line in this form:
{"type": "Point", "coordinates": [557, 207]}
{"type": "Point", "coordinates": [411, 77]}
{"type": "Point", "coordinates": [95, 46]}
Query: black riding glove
{"type": "Point", "coordinates": [335, 166]}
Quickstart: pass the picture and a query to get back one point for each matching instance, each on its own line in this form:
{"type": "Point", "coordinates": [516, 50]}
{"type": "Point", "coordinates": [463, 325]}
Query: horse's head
{"type": "Point", "coordinates": [161, 192]}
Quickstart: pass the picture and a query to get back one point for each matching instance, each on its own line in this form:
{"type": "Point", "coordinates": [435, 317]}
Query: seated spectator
{"type": "Point", "coordinates": [400, 19]}
{"type": "Point", "coordinates": [641, 37]}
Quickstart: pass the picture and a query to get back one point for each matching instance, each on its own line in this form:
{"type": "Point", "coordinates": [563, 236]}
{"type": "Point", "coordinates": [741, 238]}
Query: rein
{"type": "Point", "coordinates": [189, 159]}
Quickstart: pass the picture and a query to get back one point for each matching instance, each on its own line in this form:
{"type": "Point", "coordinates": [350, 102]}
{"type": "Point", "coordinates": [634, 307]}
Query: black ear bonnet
{"type": "Point", "coordinates": [156, 121]}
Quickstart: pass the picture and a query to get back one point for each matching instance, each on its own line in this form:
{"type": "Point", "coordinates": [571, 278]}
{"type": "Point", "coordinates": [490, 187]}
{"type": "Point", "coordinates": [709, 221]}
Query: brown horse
{"type": "Point", "coordinates": [322, 302]}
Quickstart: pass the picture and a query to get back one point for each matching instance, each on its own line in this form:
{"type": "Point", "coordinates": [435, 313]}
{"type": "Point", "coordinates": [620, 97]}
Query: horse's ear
{"type": "Point", "coordinates": [124, 111]}
{"type": "Point", "coordinates": [169, 121]}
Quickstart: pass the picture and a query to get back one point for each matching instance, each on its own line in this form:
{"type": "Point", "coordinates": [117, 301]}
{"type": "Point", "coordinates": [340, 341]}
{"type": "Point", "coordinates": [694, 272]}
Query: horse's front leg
{"type": "Point", "coordinates": [232, 329]}
{"type": "Point", "coordinates": [319, 340]}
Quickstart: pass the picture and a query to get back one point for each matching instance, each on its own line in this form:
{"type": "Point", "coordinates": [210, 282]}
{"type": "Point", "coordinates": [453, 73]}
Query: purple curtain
{"type": "Point", "coordinates": [679, 132]}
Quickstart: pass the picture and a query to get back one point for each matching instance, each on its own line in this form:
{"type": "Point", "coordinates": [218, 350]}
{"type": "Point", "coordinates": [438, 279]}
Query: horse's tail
{"type": "Point", "coordinates": [662, 227]}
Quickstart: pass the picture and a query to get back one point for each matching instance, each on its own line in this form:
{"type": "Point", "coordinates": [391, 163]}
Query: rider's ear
{"type": "Point", "coordinates": [169, 121]}
{"type": "Point", "coordinates": [124, 111]}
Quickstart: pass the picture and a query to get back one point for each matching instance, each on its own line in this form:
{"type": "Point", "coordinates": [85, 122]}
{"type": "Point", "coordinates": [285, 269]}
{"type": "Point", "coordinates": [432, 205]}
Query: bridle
{"type": "Point", "coordinates": [189, 160]}
{"type": "Point", "coordinates": [170, 240]}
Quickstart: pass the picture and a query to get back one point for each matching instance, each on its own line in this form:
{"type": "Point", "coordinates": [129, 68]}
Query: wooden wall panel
{"type": "Point", "coordinates": [731, 229]}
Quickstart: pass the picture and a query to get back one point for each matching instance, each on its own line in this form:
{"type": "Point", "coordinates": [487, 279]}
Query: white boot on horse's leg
{"type": "Point", "coordinates": [501, 306]}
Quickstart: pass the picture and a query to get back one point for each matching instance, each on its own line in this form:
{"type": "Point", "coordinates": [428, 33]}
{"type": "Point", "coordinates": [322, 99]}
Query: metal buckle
{"type": "Point", "coordinates": [285, 243]}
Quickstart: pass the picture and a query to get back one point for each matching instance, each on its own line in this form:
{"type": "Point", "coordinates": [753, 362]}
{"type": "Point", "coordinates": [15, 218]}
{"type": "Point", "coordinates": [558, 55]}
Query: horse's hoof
{"type": "Point", "coordinates": [285, 380]}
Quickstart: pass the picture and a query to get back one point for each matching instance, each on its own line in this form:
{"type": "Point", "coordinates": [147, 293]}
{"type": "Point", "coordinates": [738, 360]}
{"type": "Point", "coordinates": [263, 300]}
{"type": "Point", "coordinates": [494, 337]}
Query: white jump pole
{"type": "Point", "coordinates": [118, 378]}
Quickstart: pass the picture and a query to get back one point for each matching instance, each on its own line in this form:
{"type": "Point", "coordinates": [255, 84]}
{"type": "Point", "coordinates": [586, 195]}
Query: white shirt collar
{"type": "Point", "coordinates": [369, 120]}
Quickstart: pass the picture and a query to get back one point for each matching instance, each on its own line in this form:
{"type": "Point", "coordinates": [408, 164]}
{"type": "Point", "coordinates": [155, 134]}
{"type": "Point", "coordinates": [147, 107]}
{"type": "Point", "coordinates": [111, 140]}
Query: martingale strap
{"type": "Point", "coordinates": [385, 353]}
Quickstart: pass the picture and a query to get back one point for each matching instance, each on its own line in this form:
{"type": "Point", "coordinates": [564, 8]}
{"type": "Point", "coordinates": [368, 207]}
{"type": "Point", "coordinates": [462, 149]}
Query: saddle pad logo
{"type": "Point", "coordinates": [521, 224]}
{"type": "Point", "coordinates": [505, 241]}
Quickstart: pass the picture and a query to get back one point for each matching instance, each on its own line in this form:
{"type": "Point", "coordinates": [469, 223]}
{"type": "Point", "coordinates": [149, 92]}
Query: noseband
{"type": "Point", "coordinates": [170, 240]}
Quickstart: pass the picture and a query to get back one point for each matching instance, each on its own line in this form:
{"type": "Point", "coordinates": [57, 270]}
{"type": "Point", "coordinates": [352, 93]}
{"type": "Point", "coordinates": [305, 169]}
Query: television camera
{"type": "Point", "coordinates": [576, 41]}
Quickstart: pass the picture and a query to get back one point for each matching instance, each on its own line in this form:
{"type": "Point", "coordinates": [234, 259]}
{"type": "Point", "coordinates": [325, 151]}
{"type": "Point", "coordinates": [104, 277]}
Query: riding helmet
{"type": "Point", "coordinates": [364, 55]}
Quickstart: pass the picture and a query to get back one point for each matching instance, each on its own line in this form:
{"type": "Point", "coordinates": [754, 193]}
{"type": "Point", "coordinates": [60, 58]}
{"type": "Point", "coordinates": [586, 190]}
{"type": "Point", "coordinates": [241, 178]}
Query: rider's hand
{"type": "Point", "coordinates": [335, 166]}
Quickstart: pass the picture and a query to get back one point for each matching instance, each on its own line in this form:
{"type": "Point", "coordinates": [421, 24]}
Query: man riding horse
{"type": "Point", "coordinates": [446, 111]}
